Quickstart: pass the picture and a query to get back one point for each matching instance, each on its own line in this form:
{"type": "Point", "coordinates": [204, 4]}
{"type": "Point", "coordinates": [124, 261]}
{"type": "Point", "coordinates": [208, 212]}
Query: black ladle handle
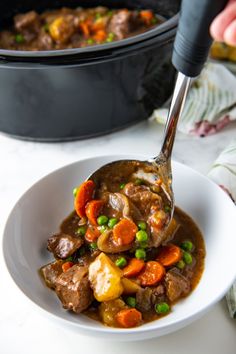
{"type": "Point", "coordinates": [193, 40]}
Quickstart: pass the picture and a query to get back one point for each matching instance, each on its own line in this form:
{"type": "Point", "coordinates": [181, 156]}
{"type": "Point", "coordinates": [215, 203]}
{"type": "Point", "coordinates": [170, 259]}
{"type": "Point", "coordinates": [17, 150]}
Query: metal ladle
{"type": "Point", "coordinates": [191, 48]}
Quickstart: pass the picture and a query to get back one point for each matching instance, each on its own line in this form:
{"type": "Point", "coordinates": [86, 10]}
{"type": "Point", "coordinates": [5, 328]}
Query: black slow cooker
{"type": "Point", "coordinates": [76, 93]}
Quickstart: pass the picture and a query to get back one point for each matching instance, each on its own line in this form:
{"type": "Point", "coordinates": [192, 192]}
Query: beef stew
{"type": "Point", "coordinates": [75, 28]}
{"type": "Point", "coordinates": [108, 264]}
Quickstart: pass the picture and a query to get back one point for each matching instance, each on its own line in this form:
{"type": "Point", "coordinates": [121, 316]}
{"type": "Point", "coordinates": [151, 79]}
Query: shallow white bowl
{"type": "Point", "coordinates": [41, 209]}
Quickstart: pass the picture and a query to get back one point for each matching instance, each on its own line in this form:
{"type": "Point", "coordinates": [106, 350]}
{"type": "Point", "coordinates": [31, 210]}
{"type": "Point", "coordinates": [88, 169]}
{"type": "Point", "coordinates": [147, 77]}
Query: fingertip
{"type": "Point", "coordinates": [230, 34]}
{"type": "Point", "coordinates": [217, 31]}
{"type": "Point", "coordinates": [223, 20]}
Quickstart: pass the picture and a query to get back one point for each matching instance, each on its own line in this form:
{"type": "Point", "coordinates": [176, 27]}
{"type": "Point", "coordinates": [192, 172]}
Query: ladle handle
{"type": "Point", "coordinates": [193, 40]}
{"type": "Point", "coordinates": [191, 47]}
{"type": "Point", "coordinates": [176, 107]}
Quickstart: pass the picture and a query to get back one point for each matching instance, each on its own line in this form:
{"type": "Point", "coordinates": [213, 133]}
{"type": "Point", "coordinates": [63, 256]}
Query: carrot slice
{"type": "Point", "coordinates": [84, 194]}
{"type": "Point", "coordinates": [67, 265]}
{"type": "Point", "coordinates": [85, 29]}
{"type": "Point", "coordinates": [169, 255]}
{"type": "Point", "coordinates": [124, 232]}
{"type": "Point", "coordinates": [146, 15]}
{"type": "Point", "coordinates": [152, 274]}
{"type": "Point", "coordinates": [93, 209]}
{"type": "Point", "coordinates": [100, 36]}
{"type": "Point", "coordinates": [133, 268]}
{"type": "Point", "coordinates": [99, 24]}
{"type": "Point", "coordinates": [128, 318]}
{"type": "Point", "coordinates": [92, 234]}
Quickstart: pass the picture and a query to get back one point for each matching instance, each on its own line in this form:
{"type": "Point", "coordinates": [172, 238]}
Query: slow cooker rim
{"type": "Point", "coordinates": [71, 61]}
{"type": "Point", "coordinates": [122, 44]}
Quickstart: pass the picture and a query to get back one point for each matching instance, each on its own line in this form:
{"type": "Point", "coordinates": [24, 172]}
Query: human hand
{"type": "Point", "coordinates": [223, 28]}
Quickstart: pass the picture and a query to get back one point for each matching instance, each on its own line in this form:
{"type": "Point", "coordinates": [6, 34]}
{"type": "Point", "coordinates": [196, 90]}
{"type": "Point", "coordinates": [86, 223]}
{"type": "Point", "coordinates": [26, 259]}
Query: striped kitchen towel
{"type": "Point", "coordinates": [223, 172]}
{"type": "Point", "coordinates": [210, 105]}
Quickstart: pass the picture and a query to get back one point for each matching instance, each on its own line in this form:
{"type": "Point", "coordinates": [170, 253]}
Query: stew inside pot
{"type": "Point", "coordinates": [114, 259]}
{"type": "Point", "coordinates": [75, 28]}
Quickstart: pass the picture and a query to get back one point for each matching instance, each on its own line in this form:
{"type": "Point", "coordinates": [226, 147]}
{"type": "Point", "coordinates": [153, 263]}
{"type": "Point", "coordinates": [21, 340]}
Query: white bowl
{"type": "Point", "coordinates": [41, 209]}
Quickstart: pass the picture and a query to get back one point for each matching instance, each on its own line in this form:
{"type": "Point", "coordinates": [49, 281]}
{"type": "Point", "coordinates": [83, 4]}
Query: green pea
{"type": "Point", "coordinates": [187, 246]}
{"type": "Point", "coordinates": [112, 222]}
{"type": "Point", "coordinates": [140, 253]}
{"type": "Point", "coordinates": [110, 13]}
{"type": "Point", "coordinates": [122, 185]}
{"type": "Point", "coordinates": [82, 251]}
{"type": "Point", "coordinates": [75, 191]}
{"type": "Point", "coordinates": [143, 244]}
{"type": "Point", "coordinates": [167, 208]}
{"type": "Point", "coordinates": [46, 27]}
{"type": "Point", "coordinates": [90, 41]}
{"type": "Point", "coordinates": [141, 236]}
{"type": "Point", "coordinates": [102, 220]}
{"type": "Point", "coordinates": [162, 308]}
{"type": "Point", "coordinates": [187, 258]}
{"type": "Point", "coordinates": [180, 264]}
{"type": "Point", "coordinates": [121, 262]}
{"type": "Point", "coordinates": [81, 230]}
{"type": "Point", "coordinates": [138, 182]}
{"type": "Point", "coordinates": [98, 16]}
{"type": "Point", "coordinates": [19, 38]}
{"type": "Point", "coordinates": [110, 37]}
{"type": "Point", "coordinates": [131, 301]}
{"type": "Point", "coordinates": [69, 259]}
{"type": "Point", "coordinates": [142, 225]}
{"type": "Point", "coordinates": [154, 20]}
{"type": "Point", "coordinates": [103, 228]}
{"type": "Point", "coordinates": [93, 246]}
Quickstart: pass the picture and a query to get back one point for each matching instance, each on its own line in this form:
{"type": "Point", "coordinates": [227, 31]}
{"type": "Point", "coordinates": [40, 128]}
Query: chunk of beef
{"type": "Point", "coordinates": [63, 245]}
{"type": "Point", "coordinates": [73, 289]}
{"type": "Point", "coordinates": [122, 207]}
{"type": "Point", "coordinates": [158, 222]}
{"type": "Point", "coordinates": [143, 198]}
{"type": "Point", "coordinates": [157, 293]}
{"type": "Point", "coordinates": [44, 41]}
{"type": "Point", "coordinates": [50, 272]}
{"type": "Point", "coordinates": [176, 285]}
{"type": "Point", "coordinates": [28, 24]}
{"type": "Point", "coordinates": [146, 298]}
{"type": "Point", "coordinates": [119, 204]}
{"type": "Point", "coordinates": [143, 299]}
{"type": "Point", "coordinates": [150, 205]}
{"type": "Point", "coordinates": [7, 40]}
{"type": "Point", "coordinates": [119, 24]}
{"type": "Point", "coordinates": [123, 22]}
{"type": "Point", "coordinates": [75, 17]}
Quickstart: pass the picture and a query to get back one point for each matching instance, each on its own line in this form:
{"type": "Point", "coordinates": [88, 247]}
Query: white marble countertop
{"type": "Point", "coordinates": [23, 163]}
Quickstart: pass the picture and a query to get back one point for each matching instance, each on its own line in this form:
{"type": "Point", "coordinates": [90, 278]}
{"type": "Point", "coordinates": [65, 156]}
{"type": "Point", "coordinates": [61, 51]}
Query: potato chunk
{"type": "Point", "coordinates": [105, 279]}
{"type": "Point", "coordinates": [130, 287]}
{"type": "Point", "coordinates": [61, 29]}
{"type": "Point", "coordinates": [109, 309]}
